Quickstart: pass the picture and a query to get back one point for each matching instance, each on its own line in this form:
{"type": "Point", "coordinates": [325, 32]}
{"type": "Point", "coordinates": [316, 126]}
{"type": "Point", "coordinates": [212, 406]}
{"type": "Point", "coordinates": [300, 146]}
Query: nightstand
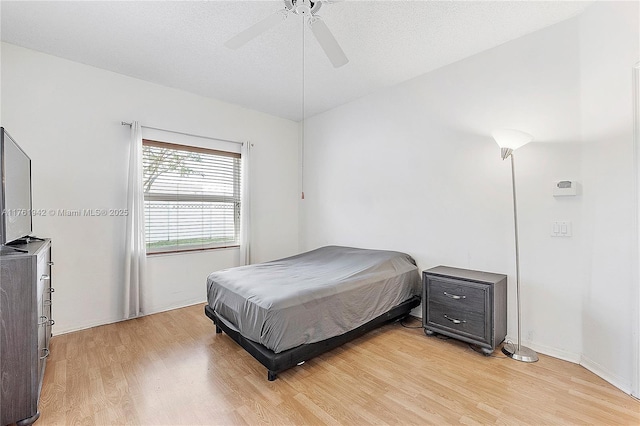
{"type": "Point", "coordinates": [464, 304]}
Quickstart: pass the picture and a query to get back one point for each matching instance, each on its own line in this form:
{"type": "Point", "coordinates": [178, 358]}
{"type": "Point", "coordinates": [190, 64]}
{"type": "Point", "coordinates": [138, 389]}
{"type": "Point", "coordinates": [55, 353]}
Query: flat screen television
{"type": "Point", "coordinates": [15, 191]}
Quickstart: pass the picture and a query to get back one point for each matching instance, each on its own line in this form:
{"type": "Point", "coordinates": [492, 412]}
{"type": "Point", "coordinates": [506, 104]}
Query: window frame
{"type": "Point", "coordinates": [235, 199]}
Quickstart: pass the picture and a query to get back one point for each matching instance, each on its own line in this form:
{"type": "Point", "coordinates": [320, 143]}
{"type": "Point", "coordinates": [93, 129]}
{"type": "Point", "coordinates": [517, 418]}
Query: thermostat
{"type": "Point", "coordinates": [565, 187]}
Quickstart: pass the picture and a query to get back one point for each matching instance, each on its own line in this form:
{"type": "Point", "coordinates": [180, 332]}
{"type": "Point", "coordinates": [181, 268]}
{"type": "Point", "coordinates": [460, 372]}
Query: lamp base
{"type": "Point", "coordinates": [523, 354]}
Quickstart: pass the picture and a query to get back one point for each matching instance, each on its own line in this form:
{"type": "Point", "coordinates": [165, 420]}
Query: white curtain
{"type": "Point", "coordinates": [135, 240]}
{"type": "Point", "coordinates": [245, 203]}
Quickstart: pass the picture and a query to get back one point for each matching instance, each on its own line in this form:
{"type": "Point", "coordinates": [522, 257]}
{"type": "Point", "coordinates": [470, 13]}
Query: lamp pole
{"type": "Point", "coordinates": [520, 353]}
{"type": "Point", "coordinates": [515, 222]}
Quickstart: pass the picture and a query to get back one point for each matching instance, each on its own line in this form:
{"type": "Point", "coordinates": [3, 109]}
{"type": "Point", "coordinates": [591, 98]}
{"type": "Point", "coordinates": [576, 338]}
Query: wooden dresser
{"type": "Point", "coordinates": [466, 305]}
{"type": "Point", "coordinates": [25, 329]}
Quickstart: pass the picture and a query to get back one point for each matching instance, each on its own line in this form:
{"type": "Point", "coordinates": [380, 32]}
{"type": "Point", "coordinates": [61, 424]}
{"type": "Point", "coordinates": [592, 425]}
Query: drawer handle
{"type": "Point", "coordinates": [45, 277]}
{"type": "Point", "coordinates": [45, 351]}
{"type": "Point", "coordinates": [455, 321]}
{"type": "Point", "coordinates": [51, 290]}
{"type": "Point", "coordinates": [50, 263]}
{"type": "Point", "coordinates": [51, 322]}
{"type": "Point", "coordinates": [44, 320]}
{"type": "Point", "coordinates": [454, 296]}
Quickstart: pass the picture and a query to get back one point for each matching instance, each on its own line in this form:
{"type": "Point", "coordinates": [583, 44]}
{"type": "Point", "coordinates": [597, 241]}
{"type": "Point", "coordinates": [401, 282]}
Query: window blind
{"type": "Point", "coordinates": [192, 197]}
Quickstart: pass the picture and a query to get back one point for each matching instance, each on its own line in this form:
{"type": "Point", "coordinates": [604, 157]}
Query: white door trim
{"type": "Point", "coordinates": [636, 273]}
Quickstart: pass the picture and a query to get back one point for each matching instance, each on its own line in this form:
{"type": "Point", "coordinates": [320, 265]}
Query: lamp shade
{"type": "Point", "coordinates": [512, 139]}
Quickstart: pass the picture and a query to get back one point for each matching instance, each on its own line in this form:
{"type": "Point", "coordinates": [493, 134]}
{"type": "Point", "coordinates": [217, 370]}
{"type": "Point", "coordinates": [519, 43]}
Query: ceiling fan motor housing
{"type": "Point", "coordinates": [303, 7]}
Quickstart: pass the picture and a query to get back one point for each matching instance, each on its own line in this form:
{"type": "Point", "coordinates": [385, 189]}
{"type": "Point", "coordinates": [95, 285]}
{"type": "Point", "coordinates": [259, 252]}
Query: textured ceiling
{"type": "Point", "coordinates": [180, 44]}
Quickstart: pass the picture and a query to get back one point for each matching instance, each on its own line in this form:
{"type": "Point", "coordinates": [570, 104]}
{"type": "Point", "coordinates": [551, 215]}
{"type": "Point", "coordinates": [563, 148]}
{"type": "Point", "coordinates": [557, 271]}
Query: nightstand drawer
{"type": "Point", "coordinates": [458, 295]}
{"type": "Point", "coordinates": [459, 321]}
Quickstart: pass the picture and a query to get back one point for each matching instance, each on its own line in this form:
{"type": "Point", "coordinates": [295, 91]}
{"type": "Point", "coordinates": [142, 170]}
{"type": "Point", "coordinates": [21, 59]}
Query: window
{"type": "Point", "coordinates": [191, 197]}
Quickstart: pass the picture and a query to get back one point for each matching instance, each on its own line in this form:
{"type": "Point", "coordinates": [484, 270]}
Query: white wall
{"type": "Point", "coordinates": [609, 50]}
{"type": "Point", "coordinates": [413, 168]}
{"type": "Point", "coordinates": [67, 118]}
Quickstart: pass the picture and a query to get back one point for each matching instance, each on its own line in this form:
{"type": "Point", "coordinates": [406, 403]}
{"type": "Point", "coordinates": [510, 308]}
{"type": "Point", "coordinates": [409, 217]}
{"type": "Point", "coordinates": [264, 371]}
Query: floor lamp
{"type": "Point", "coordinates": [509, 140]}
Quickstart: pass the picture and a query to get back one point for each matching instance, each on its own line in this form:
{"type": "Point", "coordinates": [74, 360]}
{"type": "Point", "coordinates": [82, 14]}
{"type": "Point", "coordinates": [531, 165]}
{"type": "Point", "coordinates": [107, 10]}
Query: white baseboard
{"type": "Point", "coordinates": [155, 310]}
{"type": "Point", "coordinates": [182, 304]}
{"type": "Point", "coordinates": [602, 372]}
{"type": "Point", "coordinates": [548, 350]}
{"type": "Point", "coordinates": [582, 360]}
{"type": "Point", "coordinates": [57, 331]}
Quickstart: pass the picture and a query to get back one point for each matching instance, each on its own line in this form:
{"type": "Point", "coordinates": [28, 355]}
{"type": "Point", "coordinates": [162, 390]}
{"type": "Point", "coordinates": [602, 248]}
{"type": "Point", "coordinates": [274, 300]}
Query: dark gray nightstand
{"type": "Point", "coordinates": [467, 305]}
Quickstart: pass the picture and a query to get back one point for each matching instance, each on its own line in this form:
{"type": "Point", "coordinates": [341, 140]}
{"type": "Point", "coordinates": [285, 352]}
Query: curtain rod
{"type": "Point", "coordinates": [124, 123]}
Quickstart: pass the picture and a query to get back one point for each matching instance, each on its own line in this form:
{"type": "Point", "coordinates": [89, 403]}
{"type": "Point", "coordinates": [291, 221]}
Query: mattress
{"type": "Point", "coordinates": [312, 296]}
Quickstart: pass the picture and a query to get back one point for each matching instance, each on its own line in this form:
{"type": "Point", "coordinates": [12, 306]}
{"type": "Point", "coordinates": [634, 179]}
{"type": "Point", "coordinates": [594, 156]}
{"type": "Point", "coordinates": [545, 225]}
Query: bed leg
{"type": "Point", "coordinates": [271, 375]}
{"type": "Point", "coordinates": [218, 329]}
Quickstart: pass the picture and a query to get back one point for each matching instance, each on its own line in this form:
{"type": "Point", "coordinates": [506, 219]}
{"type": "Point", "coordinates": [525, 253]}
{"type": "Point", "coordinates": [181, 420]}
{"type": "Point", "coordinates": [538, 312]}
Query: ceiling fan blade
{"type": "Point", "coordinates": [328, 42]}
{"type": "Point", "coordinates": [255, 30]}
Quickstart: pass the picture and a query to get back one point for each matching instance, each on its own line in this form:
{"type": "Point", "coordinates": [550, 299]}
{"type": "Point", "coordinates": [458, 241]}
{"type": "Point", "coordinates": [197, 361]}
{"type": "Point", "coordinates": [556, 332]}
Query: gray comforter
{"type": "Point", "coordinates": [312, 296]}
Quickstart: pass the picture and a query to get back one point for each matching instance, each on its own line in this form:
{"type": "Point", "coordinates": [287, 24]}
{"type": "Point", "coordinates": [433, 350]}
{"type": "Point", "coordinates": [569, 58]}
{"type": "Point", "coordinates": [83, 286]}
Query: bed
{"type": "Point", "coordinates": [287, 311]}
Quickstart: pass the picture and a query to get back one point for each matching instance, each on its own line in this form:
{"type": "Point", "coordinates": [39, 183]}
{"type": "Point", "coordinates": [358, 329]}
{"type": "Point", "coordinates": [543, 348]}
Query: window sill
{"type": "Point", "coordinates": [190, 251]}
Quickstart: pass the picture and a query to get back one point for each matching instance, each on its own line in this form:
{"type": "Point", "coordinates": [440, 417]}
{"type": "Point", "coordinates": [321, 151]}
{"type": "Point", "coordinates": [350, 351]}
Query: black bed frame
{"type": "Point", "coordinates": [277, 362]}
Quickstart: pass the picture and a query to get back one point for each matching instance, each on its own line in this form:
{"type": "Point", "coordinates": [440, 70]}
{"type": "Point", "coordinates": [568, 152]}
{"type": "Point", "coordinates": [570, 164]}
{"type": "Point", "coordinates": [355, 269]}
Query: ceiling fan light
{"type": "Point", "coordinates": [303, 7]}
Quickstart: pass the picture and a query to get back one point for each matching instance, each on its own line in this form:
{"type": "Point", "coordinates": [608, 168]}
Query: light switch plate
{"type": "Point", "coordinates": [561, 228]}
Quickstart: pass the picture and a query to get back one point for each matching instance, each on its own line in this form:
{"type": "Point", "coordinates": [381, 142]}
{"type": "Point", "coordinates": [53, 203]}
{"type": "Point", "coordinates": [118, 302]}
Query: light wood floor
{"type": "Point", "coordinates": [171, 368]}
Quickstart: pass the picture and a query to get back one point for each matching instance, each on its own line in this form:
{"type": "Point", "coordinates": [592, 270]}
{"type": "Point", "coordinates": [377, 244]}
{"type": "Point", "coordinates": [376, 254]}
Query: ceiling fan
{"type": "Point", "coordinates": [305, 8]}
